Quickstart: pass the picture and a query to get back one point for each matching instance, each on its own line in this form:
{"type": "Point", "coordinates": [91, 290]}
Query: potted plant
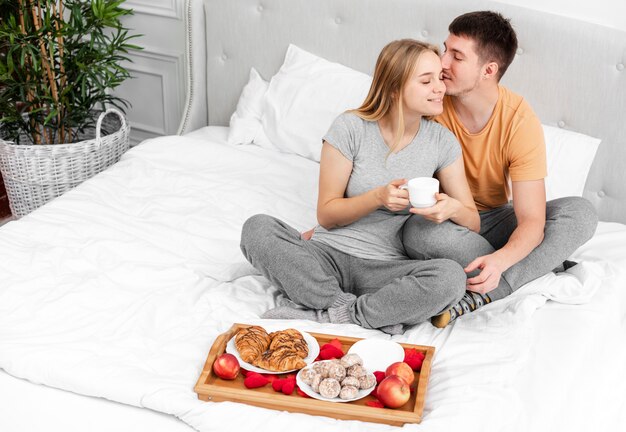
{"type": "Point", "coordinates": [59, 61]}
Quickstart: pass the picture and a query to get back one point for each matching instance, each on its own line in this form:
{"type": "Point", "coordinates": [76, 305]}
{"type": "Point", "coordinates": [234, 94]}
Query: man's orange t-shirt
{"type": "Point", "coordinates": [510, 146]}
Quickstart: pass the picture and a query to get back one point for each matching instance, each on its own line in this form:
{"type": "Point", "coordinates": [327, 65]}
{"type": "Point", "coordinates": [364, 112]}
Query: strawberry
{"type": "Point", "coordinates": [336, 343]}
{"type": "Point", "coordinates": [289, 386]}
{"type": "Point", "coordinates": [375, 404]}
{"type": "Point", "coordinates": [277, 385]}
{"type": "Point", "coordinates": [329, 351]}
{"type": "Point", "coordinates": [255, 380]}
{"type": "Point", "coordinates": [380, 375]}
{"type": "Point", "coordinates": [374, 392]}
{"type": "Point", "coordinates": [414, 358]}
{"type": "Point", "coordinates": [270, 377]}
{"type": "Point", "coordinates": [301, 393]}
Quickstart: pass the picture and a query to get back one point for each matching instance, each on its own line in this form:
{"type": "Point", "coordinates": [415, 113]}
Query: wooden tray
{"type": "Point", "coordinates": [212, 388]}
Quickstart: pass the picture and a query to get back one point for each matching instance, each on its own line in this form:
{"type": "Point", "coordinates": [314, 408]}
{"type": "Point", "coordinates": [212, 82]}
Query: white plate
{"type": "Point", "coordinates": [314, 350]}
{"type": "Point", "coordinates": [315, 395]}
{"type": "Point", "coordinates": [377, 354]}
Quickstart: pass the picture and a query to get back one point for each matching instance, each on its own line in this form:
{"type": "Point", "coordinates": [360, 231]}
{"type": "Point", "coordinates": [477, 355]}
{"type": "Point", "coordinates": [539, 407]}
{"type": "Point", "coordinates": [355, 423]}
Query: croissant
{"type": "Point", "coordinates": [251, 342]}
{"type": "Point", "coordinates": [280, 359]}
{"type": "Point", "coordinates": [292, 339]}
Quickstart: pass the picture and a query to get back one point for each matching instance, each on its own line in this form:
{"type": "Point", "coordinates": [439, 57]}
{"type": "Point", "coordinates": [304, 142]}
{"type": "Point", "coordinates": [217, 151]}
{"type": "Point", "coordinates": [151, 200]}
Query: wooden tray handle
{"type": "Point", "coordinates": [219, 346]}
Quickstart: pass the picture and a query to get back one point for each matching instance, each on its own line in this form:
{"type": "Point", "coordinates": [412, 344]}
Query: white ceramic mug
{"type": "Point", "coordinates": [422, 191]}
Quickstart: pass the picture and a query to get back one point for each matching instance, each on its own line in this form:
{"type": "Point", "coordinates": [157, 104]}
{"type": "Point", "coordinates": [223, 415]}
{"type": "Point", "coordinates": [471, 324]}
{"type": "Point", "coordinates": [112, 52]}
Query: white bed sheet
{"type": "Point", "coordinates": [60, 410]}
{"type": "Point", "coordinates": [118, 289]}
{"type": "Point", "coordinates": [27, 407]}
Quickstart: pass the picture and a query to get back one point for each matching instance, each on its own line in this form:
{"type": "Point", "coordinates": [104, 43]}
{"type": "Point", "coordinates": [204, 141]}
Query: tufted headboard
{"type": "Point", "coordinates": [573, 73]}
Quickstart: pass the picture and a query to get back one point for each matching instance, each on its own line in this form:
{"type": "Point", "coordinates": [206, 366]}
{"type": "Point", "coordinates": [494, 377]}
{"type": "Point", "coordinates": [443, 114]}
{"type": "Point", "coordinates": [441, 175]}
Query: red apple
{"type": "Point", "coordinates": [401, 369]}
{"type": "Point", "coordinates": [393, 391]}
{"type": "Point", "coordinates": [226, 366]}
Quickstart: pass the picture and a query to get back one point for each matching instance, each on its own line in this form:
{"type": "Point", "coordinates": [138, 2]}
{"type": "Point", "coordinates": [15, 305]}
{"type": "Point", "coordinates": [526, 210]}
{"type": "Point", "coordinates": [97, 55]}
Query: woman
{"type": "Point", "coordinates": [354, 268]}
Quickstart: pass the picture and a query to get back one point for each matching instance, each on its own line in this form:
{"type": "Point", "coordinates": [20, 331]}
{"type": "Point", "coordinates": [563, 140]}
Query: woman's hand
{"type": "Point", "coordinates": [392, 197]}
{"type": "Point", "coordinates": [307, 235]}
{"type": "Point", "coordinates": [445, 208]}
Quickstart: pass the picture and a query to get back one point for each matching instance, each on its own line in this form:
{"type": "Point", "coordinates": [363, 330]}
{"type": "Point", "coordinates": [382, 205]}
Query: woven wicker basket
{"type": "Point", "coordinates": [35, 174]}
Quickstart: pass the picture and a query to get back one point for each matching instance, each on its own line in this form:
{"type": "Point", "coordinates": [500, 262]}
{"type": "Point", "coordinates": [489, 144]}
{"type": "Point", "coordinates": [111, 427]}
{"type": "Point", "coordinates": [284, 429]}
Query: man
{"type": "Point", "coordinates": [504, 155]}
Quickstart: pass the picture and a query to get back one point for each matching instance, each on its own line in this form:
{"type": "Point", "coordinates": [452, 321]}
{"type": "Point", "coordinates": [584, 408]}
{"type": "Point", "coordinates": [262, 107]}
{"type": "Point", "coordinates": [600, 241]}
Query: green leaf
{"type": "Point", "coordinates": [95, 48]}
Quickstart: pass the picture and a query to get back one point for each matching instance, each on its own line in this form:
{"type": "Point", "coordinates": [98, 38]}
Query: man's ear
{"type": "Point", "coordinates": [490, 71]}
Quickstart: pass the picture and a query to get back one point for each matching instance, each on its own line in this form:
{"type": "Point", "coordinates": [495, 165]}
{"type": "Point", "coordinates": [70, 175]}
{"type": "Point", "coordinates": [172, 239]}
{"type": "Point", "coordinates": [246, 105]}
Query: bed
{"type": "Point", "coordinates": [112, 294]}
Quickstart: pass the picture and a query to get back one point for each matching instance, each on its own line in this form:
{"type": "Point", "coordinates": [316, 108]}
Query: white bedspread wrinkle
{"type": "Point", "coordinates": [118, 289]}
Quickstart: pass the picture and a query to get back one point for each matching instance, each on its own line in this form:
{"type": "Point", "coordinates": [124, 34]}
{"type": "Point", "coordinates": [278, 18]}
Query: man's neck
{"type": "Point", "coordinates": [474, 109]}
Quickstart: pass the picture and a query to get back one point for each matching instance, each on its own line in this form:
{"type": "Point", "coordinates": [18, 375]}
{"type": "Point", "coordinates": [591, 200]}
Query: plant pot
{"type": "Point", "coordinates": [35, 174]}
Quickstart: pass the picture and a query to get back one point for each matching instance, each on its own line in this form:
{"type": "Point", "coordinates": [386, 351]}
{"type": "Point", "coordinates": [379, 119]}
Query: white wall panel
{"type": "Point", "coordinates": [610, 13]}
{"type": "Point", "coordinates": [154, 93]}
{"type": "Point", "coordinates": [157, 91]}
{"type": "Point", "coordinates": [164, 8]}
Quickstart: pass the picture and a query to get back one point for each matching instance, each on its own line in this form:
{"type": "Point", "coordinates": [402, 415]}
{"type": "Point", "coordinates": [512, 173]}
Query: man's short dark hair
{"type": "Point", "coordinates": [493, 34]}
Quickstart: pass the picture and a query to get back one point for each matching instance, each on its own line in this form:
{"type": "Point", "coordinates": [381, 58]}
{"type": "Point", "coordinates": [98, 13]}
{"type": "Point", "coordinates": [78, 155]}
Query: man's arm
{"type": "Point", "coordinates": [529, 204]}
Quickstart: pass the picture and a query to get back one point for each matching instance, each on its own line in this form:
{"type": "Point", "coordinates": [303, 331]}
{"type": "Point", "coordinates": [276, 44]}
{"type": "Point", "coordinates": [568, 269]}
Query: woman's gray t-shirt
{"type": "Point", "coordinates": [377, 235]}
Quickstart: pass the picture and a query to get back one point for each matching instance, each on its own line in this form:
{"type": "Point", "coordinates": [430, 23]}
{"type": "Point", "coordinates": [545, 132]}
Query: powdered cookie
{"type": "Point", "coordinates": [350, 381]}
{"type": "Point", "coordinates": [351, 360]}
{"type": "Point", "coordinates": [330, 388]}
{"type": "Point", "coordinates": [367, 381]}
{"type": "Point", "coordinates": [348, 392]}
{"type": "Point", "coordinates": [307, 375]}
{"type": "Point", "coordinates": [315, 382]}
{"type": "Point", "coordinates": [336, 371]}
{"type": "Point", "coordinates": [356, 371]}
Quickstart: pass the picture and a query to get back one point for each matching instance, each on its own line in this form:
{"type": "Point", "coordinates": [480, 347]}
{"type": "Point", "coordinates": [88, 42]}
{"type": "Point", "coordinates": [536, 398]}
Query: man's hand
{"type": "Point", "coordinates": [445, 208]}
{"type": "Point", "coordinates": [491, 268]}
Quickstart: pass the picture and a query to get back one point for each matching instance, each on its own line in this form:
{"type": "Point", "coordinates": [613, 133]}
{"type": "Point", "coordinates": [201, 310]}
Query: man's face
{"type": "Point", "coordinates": [461, 66]}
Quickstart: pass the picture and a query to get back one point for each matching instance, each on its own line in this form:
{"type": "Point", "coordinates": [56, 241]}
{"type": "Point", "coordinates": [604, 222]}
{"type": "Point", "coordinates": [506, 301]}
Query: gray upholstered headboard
{"type": "Point", "coordinates": [573, 73]}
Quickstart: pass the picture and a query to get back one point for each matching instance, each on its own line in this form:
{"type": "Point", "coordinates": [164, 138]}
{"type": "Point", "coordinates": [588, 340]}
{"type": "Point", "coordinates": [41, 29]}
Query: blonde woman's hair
{"type": "Point", "coordinates": [394, 67]}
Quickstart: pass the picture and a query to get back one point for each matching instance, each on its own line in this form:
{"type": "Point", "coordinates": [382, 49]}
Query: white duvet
{"type": "Point", "coordinates": [118, 289]}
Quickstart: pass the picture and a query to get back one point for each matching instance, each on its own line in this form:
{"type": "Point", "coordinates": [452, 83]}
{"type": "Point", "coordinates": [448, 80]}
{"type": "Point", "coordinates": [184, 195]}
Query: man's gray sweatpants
{"type": "Point", "coordinates": [570, 222]}
{"type": "Point", "coordinates": [314, 275]}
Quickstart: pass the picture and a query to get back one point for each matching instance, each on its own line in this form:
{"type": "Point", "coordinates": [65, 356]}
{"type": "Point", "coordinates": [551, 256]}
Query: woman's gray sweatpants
{"type": "Point", "coordinates": [314, 275]}
{"type": "Point", "coordinates": [570, 222]}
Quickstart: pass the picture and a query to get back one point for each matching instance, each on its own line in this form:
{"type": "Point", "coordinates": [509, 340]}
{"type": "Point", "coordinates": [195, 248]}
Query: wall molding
{"type": "Point", "coordinates": [168, 69]}
{"type": "Point", "coordinates": [164, 8]}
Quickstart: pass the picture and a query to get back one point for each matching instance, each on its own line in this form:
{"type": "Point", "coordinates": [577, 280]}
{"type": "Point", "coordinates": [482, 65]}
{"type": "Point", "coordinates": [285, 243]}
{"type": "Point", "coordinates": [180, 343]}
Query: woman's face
{"type": "Point", "coordinates": [424, 90]}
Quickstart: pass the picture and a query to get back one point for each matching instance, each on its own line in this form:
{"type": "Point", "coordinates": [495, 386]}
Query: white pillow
{"type": "Point", "coordinates": [570, 155]}
{"type": "Point", "coordinates": [304, 98]}
{"type": "Point", "coordinates": [245, 123]}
